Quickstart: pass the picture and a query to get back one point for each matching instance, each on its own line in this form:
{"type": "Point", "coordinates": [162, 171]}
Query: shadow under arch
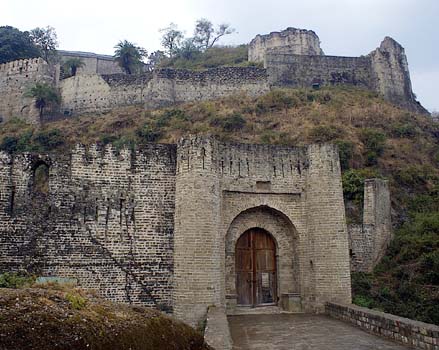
{"type": "Point", "coordinates": [286, 238]}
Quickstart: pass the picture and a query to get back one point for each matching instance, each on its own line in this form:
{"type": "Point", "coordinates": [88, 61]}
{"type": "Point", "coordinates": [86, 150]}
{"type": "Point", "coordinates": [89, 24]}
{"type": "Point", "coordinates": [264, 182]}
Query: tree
{"type": "Point", "coordinates": [187, 50]}
{"type": "Point", "coordinates": [44, 95]}
{"type": "Point", "coordinates": [205, 35]}
{"type": "Point", "coordinates": [72, 64]}
{"type": "Point", "coordinates": [46, 40]}
{"type": "Point", "coordinates": [129, 56]}
{"type": "Point", "coordinates": [16, 45]}
{"type": "Point", "coordinates": [171, 39]}
{"type": "Point", "coordinates": [155, 58]}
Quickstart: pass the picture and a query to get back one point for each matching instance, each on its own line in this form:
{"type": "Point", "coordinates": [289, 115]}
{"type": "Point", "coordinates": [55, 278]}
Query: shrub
{"type": "Point", "coordinates": [353, 183]}
{"type": "Point", "coordinates": [48, 140]}
{"type": "Point", "coordinates": [16, 280]}
{"type": "Point", "coordinates": [346, 152]}
{"type": "Point", "coordinates": [165, 118]}
{"type": "Point", "coordinates": [430, 267]}
{"type": "Point", "coordinates": [404, 130]}
{"type": "Point", "coordinates": [76, 301]}
{"type": "Point", "coordinates": [374, 141]}
{"type": "Point", "coordinates": [147, 134]}
{"type": "Point", "coordinates": [9, 144]}
{"type": "Point", "coordinates": [233, 122]}
{"type": "Point", "coordinates": [363, 301]}
{"type": "Point", "coordinates": [325, 133]}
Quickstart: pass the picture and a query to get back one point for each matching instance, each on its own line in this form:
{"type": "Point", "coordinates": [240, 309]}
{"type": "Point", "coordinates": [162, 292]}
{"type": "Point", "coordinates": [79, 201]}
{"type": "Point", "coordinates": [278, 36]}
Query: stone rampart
{"type": "Point", "coordinates": [298, 71]}
{"type": "Point", "coordinates": [106, 219]}
{"type": "Point", "coordinates": [16, 78]}
{"type": "Point", "coordinates": [416, 334]}
{"type": "Point", "coordinates": [96, 93]}
{"type": "Point", "coordinates": [299, 41]}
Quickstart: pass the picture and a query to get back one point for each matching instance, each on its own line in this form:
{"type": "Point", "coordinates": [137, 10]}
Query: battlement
{"type": "Point", "coordinates": [23, 66]}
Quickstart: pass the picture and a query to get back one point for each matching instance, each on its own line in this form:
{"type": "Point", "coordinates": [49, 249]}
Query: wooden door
{"type": "Point", "coordinates": [255, 263]}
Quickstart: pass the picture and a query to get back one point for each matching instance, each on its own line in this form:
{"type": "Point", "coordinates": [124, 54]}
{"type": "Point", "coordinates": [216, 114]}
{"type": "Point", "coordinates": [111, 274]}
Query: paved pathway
{"type": "Point", "coordinates": [301, 332]}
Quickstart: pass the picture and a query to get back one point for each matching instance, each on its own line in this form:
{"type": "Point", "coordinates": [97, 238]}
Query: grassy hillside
{"type": "Point", "coordinates": [67, 318]}
{"type": "Point", "coordinates": [375, 138]}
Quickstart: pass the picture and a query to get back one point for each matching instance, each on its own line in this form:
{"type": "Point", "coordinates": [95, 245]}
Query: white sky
{"type": "Point", "coordinates": [345, 27]}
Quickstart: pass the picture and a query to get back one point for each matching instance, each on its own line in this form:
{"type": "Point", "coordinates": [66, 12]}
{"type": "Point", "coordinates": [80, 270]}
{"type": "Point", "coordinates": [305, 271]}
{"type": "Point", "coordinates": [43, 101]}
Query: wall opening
{"type": "Point", "coordinates": [41, 179]}
{"type": "Point", "coordinates": [256, 272]}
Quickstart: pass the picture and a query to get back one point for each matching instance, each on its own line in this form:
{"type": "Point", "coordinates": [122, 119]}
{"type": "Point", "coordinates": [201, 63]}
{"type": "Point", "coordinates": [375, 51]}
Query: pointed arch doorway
{"type": "Point", "coordinates": [256, 272]}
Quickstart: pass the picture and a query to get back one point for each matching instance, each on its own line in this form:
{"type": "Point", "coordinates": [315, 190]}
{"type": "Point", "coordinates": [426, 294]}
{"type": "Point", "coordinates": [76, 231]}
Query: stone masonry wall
{"type": "Point", "coordinates": [285, 69]}
{"type": "Point", "coordinates": [294, 193]}
{"type": "Point", "coordinates": [412, 333]}
{"type": "Point", "coordinates": [107, 220]}
{"type": "Point", "coordinates": [16, 78]}
{"type": "Point", "coordinates": [98, 93]}
{"type": "Point", "coordinates": [368, 242]}
{"type": "Point", "coordinates": [299, 41]}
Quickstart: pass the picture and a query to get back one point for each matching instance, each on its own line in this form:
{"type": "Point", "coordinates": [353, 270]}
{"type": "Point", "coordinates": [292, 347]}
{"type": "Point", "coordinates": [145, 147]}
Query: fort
{"type": "Point", "coordinates": [160, 226]}
{"type": "Point", "coordinates": [291, 58]}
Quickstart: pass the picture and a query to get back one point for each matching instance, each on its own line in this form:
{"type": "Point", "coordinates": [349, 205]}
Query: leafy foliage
{"type": "Point", "coordinates": [205, 35]}
{"type": "Point", "coordinates": [45, 39]}
{"type": "Point", "coordinates": [129, 56]}
{"type": "Point", "coordinates": [15, 45]}
{"type": "Point", "coordinates": [16, 280]}
{"type": "Point", "coordinates": [77, 302]}
{"type": "Point", "coordinates": [72, 64]}
{"type": "Point", "coordinates": [44, 95]}
{"type": "Point", "coordinates": [374, 143]}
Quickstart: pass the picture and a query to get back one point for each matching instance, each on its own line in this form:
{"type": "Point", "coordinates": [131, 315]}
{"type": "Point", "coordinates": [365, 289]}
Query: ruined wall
{"type": "Point", "coordinates": [390, 69]}
{"type": "Point", "coordinates": [15, 79]}
{"type": "Point", "coordinates": [368, 241]}
{"type": "Point", "coordinates": [297, 71]}
{"type": "Point", "coordinates": [94, 93]}
{"type": "Point", "coordinates": [298, 41]}
{"type": "Point", "coordinates": [107, 220]}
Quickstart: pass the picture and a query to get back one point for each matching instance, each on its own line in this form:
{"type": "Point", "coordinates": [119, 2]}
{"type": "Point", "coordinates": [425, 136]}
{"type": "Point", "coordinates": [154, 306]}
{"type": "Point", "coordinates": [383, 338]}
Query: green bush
{"type": "Point", "coordinates": [346, 152]}
{"type": "Point", "coordinates": [49, 140]}
{"type": "Point", "coordinates": [353, 183]}
{"type": "Point", "coordinates": [165, 118]}
{"type": "Point", "coordinates": [325, 133]}
{"type": "Point", "coordinates": [374, 145]}
{"type": "Point", "coordinates": [16, 280]}
{"type": "Point", "coordinates": [9, 144]}
{"type": "Point", "coordinates": [404, 130]}
{"type": "Point", "coordinates": [363, 301]}
{"type": "Point", "coordinates": [233, 122]}
{"type": "Point", "coordinates": [430, 267]}
{"type": "Point", "coordinates": [147, 134]}
{"type": "Point", "coordinates": [77, 302]}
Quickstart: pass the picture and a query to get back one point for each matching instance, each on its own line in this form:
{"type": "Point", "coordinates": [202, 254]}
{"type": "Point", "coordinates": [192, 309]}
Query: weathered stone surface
{"type": "Point", "coordinates": [368, 241]}
{"type": "Point", "coordinates": [403, 330]}
{"type": "Point", "coordinates": [159, 226]}
{"type": "Point", "coordinates": [301, 332]}
{"type": "Point", "coordinates": [16, 78]}
{"type": "Point", "coordinates": [298, 41]}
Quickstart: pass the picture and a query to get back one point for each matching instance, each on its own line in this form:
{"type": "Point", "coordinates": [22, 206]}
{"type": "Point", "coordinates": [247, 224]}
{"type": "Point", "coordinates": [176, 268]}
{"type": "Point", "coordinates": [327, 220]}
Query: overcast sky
{"type": "Point", "coordinates": [345, 27]}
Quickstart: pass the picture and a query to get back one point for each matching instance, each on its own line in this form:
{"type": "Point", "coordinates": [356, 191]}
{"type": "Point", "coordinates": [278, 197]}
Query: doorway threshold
{"type": "Point", "coordinates": [259, 310]}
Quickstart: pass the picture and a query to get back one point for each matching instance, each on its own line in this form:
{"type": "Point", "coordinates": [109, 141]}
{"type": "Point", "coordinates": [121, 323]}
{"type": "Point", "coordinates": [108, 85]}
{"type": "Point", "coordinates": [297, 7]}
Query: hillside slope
{"type": "Point", "coordinates": [375, 138]}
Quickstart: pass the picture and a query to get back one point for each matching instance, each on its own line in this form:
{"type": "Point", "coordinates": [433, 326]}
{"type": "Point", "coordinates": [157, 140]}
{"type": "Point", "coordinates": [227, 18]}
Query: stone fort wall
{"type": "Point", "coordinates": [15, 79]}
{"type": "Point", "coordinates": [158, 226]}
{"type": "Point", "coordinates": [96, 93]}
{"type": "Point", "coordinates": [107, 220]}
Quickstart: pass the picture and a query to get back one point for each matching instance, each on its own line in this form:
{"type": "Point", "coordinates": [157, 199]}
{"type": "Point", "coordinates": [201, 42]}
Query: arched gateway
{"type": "Point", "coordinates": [256, 271]}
